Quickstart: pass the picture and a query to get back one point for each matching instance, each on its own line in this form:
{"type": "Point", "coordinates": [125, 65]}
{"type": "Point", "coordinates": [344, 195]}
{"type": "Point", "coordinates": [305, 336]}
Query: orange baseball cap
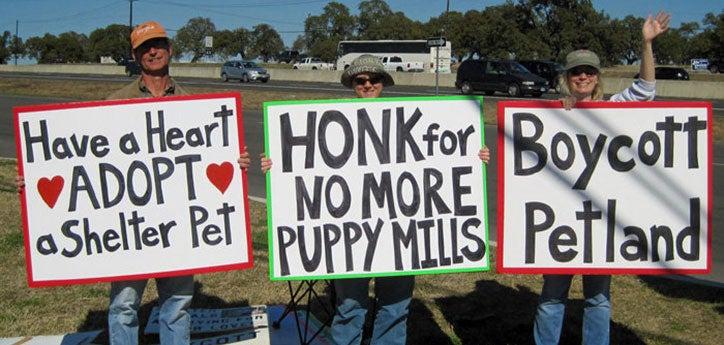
{"type": "Point", "coordinates": [146, 31]}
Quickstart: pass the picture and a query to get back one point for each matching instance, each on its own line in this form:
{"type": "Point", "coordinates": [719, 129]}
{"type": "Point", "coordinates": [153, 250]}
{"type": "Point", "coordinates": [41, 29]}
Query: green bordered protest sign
{"type": "Point", "coordinates": [375, 187]}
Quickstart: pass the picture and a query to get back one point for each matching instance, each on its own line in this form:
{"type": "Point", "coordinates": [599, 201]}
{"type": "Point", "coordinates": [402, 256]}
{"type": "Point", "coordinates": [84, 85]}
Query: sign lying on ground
{"type": "Point", "coordinates": [131, 189]}
{"type": "Point", "coordinates": [218, 320]}
{"type": "Point", "coordinates": [605, 188]}
{"type": "Point", "coordinates": [375, 187]}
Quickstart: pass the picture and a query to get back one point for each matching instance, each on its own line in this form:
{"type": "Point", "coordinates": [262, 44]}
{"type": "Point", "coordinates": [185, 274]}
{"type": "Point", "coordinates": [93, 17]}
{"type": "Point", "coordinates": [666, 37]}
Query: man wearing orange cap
{"type": "Point", "coordinates": [152, 50]}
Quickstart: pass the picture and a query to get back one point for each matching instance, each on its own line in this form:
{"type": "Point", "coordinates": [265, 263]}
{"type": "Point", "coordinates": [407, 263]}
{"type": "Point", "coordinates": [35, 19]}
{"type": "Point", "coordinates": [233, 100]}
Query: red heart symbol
{"type": "Point", "coordinates": [220, 175]}
{"type": "Point", "coordinates": [50, 189]}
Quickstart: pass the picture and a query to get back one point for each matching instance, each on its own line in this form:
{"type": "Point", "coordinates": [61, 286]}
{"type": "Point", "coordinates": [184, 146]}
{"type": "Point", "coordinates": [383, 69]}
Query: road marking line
{"type": "Point", "coordinates": [257, 199]}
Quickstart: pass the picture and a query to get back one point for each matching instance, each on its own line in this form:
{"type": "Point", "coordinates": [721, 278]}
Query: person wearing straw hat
{"type": "Point", "coordinates": [582, 83]}
{"type": "Point", "coordinates": [367, 77]}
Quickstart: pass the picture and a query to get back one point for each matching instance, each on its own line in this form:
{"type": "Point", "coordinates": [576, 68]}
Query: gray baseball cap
{"type": "Point", "coordinates": [366, 64]}
{"type": "Point", "coordinates": [582, 57]}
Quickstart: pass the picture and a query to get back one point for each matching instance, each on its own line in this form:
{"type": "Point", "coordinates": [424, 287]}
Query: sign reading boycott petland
{"type": "Point", "coordinates": [375, 187]}
{"type": "Point", "coordinates": [131, 189]}
{"type": "Point", "coordinates": [605, 188]}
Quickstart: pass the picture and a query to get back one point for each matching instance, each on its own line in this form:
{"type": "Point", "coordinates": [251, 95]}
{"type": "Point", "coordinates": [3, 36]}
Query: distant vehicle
{"type": "Point", "coordinates": [548, 70]}
{"type": "Point", "coordinates": [699, 64]}
{"type": "Point", "coordinates": [288, 56]}
{"type": "Point", "coordinates": [244, 71]}
{"type": "Point", "coordinates": [408, 50]}
{"type": "Point", "coordinates": [313, 63]}
{"type": "Point", "coordinates": [395, 63]}
{"type": "Point", "coordinates": [132, 67]}
{"type": "Point", "coordinates": [505, 76]}
{"type": "Point", "coordinates": [715, 65]}
{"type": "Point", "coordinates": [676, 73]}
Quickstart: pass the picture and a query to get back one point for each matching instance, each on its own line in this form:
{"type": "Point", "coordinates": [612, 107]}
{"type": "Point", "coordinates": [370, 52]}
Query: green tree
{"type": "Point", "coordinates": [323, 32]}
{"type": "Point", "coordinates": [452, 26]}
{"type": "Point", "coordinates": [565, 25]}
{"type": "Point", "coordinates": [714, 34]}
{"type": "Point", "coordinates": [628, 32]}
{"type": "Point", "coordinates": [299, 44]}
{"type": "Point", "coordinates": [230, 43]}
{"type": "Point", "coordinates": [68, 47]}
{"type": "Point", "coordinates": [190, 38]}
{"type": "Point", "coordinates": [670, 47]}
{"type": "Point", "coordinates": [396, 26]}
{"type": "Point", "coordinates": [5, 43]}
{"type": "Point", "coordinates": [110, 41]}
{"type": "Point", "coordinates": [371, 14]}
{"type": "Point", "coordinates": [266, 41]}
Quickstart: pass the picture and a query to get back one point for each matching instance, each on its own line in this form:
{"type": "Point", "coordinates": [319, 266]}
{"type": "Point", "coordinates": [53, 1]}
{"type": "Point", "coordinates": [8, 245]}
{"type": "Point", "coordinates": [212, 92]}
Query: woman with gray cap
{"type": "Point", "coordinates": [367, 77]}
{"type": "Point", "coordinates": [582, 82]}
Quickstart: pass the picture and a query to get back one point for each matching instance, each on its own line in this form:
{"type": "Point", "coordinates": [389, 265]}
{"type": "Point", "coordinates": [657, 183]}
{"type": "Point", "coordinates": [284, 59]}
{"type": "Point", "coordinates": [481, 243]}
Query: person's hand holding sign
{"type": "Point", "coordinates": [266, 163]}
{"type": "Point", "coordinates": [20, 183]}
{"type": "Point", "coordinates": [244, 159]}
{"type": "Point", "coordinates": [484, 154]}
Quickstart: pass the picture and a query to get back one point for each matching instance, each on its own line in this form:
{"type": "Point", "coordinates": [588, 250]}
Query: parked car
{"type": "Point", "coordinates": [244, 71]}
{"type": "Point", "coordinates": [505, 76]}
{"type": "Point", "coordinates": [548, 70]}
{"type": "Point", "coordinates": [395, 63]}
{"type": "Point", "coordinates": [313, 63]}
{"type": "Point", "coordinates": [715, 66]}
{"type": "Point", "coordinates": [676, 73]}
{"type": "Point", "coordinates": [288, 56]}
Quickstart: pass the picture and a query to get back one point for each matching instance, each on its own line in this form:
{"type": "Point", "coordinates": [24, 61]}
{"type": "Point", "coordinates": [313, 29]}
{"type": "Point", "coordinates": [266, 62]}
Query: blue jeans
{"type": "Point", "coordinates": [174, 298]}
{"type": "Point", "coordinates": [393, 295]}
{"type": "Point", "coordinates": [551, 308]}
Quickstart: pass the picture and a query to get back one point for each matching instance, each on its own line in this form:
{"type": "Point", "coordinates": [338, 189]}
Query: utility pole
{"type": "Point", "coordinates": [15, 42]}
{"type": "Point", "coordinates": [437, 51]}
{"type": "Point", "coordinates": [130, 24]}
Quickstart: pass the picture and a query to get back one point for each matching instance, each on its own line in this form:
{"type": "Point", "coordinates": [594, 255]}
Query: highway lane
{"type": "Point", "coordinates": [254, 133]}
{"type": "Point", "coordinates": [284, 86]}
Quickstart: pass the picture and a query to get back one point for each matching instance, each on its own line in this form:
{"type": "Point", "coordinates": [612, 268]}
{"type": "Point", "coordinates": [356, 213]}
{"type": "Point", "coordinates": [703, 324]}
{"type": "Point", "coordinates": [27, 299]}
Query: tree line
{"type": "Point", "coordinates": [526, 29]}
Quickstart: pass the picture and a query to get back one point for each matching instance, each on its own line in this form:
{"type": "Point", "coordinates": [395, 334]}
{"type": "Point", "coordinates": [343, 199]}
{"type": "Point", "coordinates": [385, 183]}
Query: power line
{"type": "Point", "coordinates": [72, 16]}
{"type": "Point", "coordinates": [259, 4]}
{"type": "Point", "coordinates": [223, 13]}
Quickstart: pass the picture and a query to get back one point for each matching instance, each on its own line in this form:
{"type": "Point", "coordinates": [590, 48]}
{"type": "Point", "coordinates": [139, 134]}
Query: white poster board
{"type": "Point", "coordinates": [605, 188]}
{"type": "Point", "coordinates": [375, 187]}
{"type": "Point", "coordinates": [131, 189]}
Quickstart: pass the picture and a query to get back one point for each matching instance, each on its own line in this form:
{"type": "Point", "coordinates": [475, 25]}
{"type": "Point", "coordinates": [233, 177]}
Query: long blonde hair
{"type": "Point", "coordinates": [597, 94]}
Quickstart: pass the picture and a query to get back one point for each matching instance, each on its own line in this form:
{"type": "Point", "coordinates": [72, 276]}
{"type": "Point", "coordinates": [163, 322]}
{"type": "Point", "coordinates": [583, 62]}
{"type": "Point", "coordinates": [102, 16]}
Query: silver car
{"type": "Point", "coordinates": [244, 71]}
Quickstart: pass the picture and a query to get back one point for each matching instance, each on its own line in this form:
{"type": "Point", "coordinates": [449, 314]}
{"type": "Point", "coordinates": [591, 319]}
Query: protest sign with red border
{"type": "Point", "coordinates": [132, 189]}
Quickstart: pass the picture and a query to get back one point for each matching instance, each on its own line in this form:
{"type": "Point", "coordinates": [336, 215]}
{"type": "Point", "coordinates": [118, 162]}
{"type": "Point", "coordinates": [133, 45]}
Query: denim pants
{"type": "Point", "coordinates": [174, 298]}
{"type": "Point", "coordinates": [596, 311]}
{"type": "Point", "coordinates": [393, 295]}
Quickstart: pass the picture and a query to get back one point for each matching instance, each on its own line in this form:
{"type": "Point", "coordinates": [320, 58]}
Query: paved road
{"type": "Point", "coordinates": [280, 85]}
{"type": "Point", "coordinates": [254, 132]}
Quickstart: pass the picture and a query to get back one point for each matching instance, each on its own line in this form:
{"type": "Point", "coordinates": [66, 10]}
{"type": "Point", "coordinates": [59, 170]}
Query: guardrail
{"type": "Point", "coordinates": [664, 88]}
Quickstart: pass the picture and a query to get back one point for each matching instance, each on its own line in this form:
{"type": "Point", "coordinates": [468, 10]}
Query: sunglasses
{"type": "Point", "coordinates": [158, 43]}
{"type": "Point", "coordinates": [375, 79]}
{"type": "Point", "coordinates": [578, 70]}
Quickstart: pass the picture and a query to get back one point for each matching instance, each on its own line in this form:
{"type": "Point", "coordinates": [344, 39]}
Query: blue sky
{"type": "Point", "coordinates": [36, 17]}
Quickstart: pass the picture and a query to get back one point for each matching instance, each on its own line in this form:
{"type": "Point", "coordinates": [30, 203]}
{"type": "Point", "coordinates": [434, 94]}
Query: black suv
{"type": "Point", "coordinates": [547, 70]}
{"type": "Point", "coordinates": [676, 73]}
{"type": "Point", "coordinates": [498, 75]}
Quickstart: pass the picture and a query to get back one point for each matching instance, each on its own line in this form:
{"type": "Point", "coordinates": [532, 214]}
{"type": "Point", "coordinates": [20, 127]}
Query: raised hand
{"type": "Point", "coordinates": [654, 27]}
